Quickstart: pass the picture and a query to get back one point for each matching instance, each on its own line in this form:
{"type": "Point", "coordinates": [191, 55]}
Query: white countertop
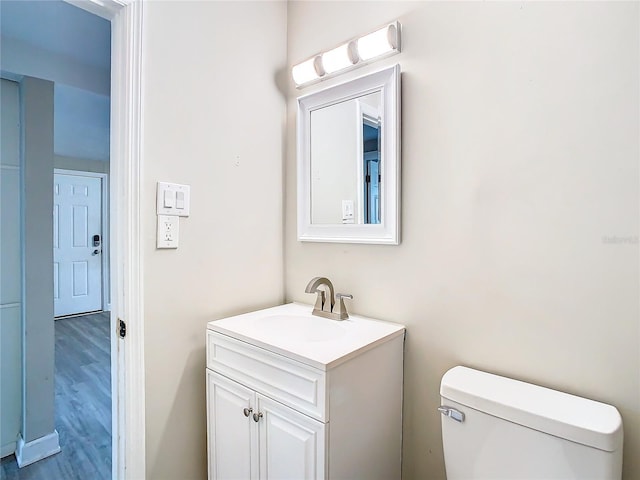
{"type": "Point", "coordinates": [292, 331]}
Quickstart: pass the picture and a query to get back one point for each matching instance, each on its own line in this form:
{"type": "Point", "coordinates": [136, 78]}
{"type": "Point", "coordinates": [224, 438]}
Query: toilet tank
{"type": "Point", "coordinates": [498, 428]}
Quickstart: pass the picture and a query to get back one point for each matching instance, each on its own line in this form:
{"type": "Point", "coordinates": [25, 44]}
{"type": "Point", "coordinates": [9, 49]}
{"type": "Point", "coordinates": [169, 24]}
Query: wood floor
{"type": "Point", "coordinates": [83, 405]}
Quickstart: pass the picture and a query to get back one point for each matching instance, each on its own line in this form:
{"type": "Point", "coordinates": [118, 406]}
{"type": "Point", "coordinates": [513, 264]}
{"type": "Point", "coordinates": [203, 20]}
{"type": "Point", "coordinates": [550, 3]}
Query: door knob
{"type": "Point", "coordinates": [95, 252]}
{"type": "Point", "coordinates": [257, 416]}
{"type": "Point", "coordinates": [247, 411]}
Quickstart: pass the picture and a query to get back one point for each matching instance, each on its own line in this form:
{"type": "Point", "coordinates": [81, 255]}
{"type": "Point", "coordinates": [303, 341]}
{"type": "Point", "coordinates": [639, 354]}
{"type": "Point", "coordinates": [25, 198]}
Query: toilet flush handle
{"type": "Point", "coordinates": [457, 415]}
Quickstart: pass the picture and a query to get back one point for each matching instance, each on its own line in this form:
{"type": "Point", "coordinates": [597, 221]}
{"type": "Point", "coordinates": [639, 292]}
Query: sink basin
{"type": "Point", "coordinates": [303, 328]}
{"type": "Point", "coordinates": [291, 330]}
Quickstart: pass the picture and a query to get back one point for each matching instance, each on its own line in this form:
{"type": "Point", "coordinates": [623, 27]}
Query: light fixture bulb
{"type": "Point", "coordinates": [337, 59]}
{"type": "Point", "coordinates": [305, 72]}
{"type": "Point", "coordinates": [378, 43]}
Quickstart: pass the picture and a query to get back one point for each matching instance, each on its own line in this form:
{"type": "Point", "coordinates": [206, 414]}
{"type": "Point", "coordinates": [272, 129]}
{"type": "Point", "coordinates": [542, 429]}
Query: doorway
{"type": "Point", "coordinates": [127, 355]}
{"type": "Point", "coordinates": [126, 26]}
{"type": "Point", "coordinates": [372, 175]}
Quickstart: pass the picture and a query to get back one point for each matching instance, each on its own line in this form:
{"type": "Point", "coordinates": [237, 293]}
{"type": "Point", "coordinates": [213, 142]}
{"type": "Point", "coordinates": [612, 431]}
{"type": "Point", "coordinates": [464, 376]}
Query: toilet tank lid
{"type": "Point", "coordinates": [560, 414]}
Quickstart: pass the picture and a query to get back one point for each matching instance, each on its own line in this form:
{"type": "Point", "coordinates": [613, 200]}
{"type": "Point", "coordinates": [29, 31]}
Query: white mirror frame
{"type": "Point", "coordinates": [387, 81]}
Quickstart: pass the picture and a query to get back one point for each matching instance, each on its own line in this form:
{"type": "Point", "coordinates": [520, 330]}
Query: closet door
{"type": "Point", "coordinates": [10, 254]}
{"type": "Point", "coordinates": [231, 430]}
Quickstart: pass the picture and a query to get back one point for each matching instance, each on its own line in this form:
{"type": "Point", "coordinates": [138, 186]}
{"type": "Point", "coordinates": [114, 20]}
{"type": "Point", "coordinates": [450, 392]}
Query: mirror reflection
{"type": "Point", "coordinates": [345, 160]}
{"type": "Point", "coordinates": [348, 165]}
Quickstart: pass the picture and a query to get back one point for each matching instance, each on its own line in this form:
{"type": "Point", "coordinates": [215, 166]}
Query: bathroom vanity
{"type": "Point", "coordinates": [296, 396]}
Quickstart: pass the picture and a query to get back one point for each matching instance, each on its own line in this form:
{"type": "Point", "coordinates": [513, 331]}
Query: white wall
{"type": "Point", "coordinates": [24, 58]}
{"type": "Point", "coordinates": [82, 95]}
{"type": "Point", "coordinates": [334, 161]}
{"type": "Point", "coordinates": [37, 258]}
{"type": "Point", "coordinates": [520, 164]}
{"type": "Point", "coordinates": [82, 127]}
{"type": "Point", "coordinates": [214, 119]}
{"type": "Point", "coordinates": [81, 164]}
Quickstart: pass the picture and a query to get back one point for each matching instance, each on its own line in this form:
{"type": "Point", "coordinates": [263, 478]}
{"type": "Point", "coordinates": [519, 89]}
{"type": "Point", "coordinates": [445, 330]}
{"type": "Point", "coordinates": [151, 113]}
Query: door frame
{"type": "Point", "coordinates": [126, 259]}
{"type": "Point", "coordinates": [104, 226]}
{"type": "Point", "coordinates": [364, 113]}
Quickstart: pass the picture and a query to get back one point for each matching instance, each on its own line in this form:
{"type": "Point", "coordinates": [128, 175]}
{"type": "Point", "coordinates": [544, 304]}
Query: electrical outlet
{"type": "Point", "coordinates": [168, 231]}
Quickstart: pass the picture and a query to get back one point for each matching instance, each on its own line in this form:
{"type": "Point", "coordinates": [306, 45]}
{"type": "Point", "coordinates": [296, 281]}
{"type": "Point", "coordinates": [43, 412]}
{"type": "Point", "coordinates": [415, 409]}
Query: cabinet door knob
{"type": "Point", "coordinates": [247, 411]}
{"type": "Point", "coordinates": [257, 416]}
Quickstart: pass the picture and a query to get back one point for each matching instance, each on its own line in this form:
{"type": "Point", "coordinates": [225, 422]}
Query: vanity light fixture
{"type": "Point", "coordinates": [378, 43]}
{"type": "Point", "coordinates": [307, 71]}
{"type": "Point", "coordinates": [373, 46]}
{"type": "Point", "coordinates": [339, 58]}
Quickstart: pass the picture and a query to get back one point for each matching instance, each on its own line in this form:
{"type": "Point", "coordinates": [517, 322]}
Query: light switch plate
{"type": "Point", "coordinates": [347, 211]}
{"type": "Point", "coordinates": [168, 231]}
{"type": "Point", "coordinates": [173, 199]}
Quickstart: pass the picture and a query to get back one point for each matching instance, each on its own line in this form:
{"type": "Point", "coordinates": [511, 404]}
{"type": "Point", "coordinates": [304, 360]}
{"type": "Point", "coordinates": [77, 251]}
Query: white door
{"type": "Point", "coordinates": [229, 429]}
{"type": "Point", "coordinates": [291, 444]}
{"type": "Point", "coordinates": [77, 244]}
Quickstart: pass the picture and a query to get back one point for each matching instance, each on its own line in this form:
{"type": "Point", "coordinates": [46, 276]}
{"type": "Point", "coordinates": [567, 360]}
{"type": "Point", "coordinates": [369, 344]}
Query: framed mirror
{"type": "Point", "coordinates": [349, 161]}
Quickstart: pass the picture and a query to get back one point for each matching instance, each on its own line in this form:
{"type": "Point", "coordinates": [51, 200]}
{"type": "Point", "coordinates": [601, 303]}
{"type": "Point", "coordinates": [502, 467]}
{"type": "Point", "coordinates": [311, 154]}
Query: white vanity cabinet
{"type": "Point", "coordinates": [287, 443]}
{"type": "Point", "coordinates": [291, 396]}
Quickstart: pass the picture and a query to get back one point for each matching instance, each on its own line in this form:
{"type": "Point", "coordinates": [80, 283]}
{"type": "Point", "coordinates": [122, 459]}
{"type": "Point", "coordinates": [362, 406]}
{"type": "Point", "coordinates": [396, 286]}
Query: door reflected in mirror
{"type": "Point", "coordinates": [371, 163]}
{"type": "Point", "coordinates": [345, 161]}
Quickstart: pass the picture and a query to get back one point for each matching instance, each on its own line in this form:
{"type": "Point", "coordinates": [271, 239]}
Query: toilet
{"type": "Point", "coordinates": [498, 428]}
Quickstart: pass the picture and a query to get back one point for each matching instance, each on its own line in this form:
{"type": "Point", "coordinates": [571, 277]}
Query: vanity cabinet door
{"type": "Point", "coordinates": [230, 430]}
{"type": "Point", "coordinates": [291, 445]}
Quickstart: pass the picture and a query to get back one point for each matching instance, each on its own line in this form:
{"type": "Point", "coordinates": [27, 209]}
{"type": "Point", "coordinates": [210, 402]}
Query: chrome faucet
{"type": "Point", "coordinates": [326, 306]}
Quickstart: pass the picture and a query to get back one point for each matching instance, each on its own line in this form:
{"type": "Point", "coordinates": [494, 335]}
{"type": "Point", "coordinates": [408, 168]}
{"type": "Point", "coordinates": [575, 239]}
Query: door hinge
{"type": "Point", "coordinates": [122, 328]}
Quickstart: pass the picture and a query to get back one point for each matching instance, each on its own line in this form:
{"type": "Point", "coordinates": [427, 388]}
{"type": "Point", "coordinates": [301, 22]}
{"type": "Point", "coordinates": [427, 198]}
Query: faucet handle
{"type": "Point", "coordinates": [320, 299]}
{"type": "Point", "coordinates": [341, 309]}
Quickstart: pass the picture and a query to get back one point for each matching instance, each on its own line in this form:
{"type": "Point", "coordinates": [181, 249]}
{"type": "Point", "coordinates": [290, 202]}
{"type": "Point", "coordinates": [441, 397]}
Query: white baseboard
{"type": "Point", "coordinates": [43, 447]}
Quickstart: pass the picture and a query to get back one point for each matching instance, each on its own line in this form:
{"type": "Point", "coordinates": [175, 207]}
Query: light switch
{"type": "Point", "coordinates": [180, 200]}
{"type": "Point", "coordinates": [173, 199]}
{"type": "Point", "coordinates": [169, 198]}
{"type": "Point", "coordinates": [347, 211]}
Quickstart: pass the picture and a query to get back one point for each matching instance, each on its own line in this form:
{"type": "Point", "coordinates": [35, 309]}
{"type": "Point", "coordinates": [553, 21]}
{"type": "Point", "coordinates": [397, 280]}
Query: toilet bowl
{"type": "Point", "coordinates": [498, 428]}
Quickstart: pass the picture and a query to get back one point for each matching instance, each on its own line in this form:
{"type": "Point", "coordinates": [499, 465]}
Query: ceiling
{"type": "Point", "coordinates": [58, 27]}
